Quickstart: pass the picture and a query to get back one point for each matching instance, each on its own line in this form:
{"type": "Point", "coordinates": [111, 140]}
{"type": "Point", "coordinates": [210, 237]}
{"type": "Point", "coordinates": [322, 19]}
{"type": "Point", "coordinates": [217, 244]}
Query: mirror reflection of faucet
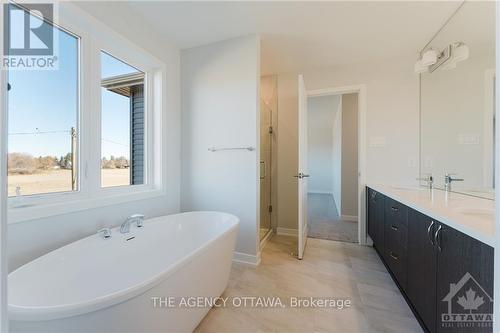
{"type": "Point", "coordinates": [448, 179]}
{"type": "Point", "coordinates": [429, 179]}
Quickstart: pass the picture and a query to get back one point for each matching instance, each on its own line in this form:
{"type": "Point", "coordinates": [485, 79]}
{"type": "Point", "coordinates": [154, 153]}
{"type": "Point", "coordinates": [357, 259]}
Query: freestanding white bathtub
{"type": "Point", "coordinates": [108, 285]}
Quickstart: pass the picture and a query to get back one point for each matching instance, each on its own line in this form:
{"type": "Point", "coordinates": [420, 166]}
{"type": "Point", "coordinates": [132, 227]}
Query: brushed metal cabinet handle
{"type": "Point", "coordinates": [437, 238]}
{"type": "Point", "coordinates": [429, 233]}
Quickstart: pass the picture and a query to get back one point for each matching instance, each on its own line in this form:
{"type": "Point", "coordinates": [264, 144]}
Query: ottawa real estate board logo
{"type": "Point", "coordinates": [29, 36]}
{"type": "Point", "coordinates": [468, 305]}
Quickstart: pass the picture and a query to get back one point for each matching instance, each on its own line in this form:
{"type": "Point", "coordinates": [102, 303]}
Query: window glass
{"type": "Point", "coordinates": [122, 127]}
{"type": "Point", "coordinates": [43, 124]}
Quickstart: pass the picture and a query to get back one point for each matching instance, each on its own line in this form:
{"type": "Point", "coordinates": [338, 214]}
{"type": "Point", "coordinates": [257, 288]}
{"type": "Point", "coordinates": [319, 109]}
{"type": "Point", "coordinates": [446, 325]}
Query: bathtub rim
{"type": "Point", "coordinates": [27, 313]}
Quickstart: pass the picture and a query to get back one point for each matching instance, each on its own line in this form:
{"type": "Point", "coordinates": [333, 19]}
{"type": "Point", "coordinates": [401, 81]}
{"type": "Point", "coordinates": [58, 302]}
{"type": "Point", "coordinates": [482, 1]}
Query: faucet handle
{"type": "Point", "coordinates": [450, 178]}
{"type": "Point", "coordinates": [429, 179]}
{"type": "Point", "coordinates": [105, 233]}
{"type": "Point", "coordinates": [139, 220]}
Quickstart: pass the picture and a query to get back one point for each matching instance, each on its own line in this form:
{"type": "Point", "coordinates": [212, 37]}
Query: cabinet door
{"type": "Point", "coordinates": [422, 264]}
{"type": "Point", "coordinates": [464, 282]}
{"type": "Point", "coordinates": [380, 218]}
{"type": "Point", "coordinates": [376, 219]}
{"type": "Point", "coordinates": [372, 226]}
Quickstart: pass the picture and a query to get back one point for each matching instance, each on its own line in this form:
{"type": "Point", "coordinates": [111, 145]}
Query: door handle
{"type": "Point", "coordinates": [437, 238]}
{"type": "Point", "coordinates": [393, 227]}
{"type": "Point", "coordinates": [301, 175]}
{"type": "Point", "coordinates": [429, 233]}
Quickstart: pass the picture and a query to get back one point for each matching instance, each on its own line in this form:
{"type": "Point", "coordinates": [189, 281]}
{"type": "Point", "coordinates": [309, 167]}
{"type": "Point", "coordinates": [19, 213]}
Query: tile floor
{"type": "Point", "coordinates": [324, 220]}
{"type": "Point", "coordinates": [329, 269]}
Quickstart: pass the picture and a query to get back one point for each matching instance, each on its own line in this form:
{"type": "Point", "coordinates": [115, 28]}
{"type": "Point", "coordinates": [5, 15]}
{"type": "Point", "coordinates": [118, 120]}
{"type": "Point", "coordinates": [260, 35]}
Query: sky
{"type": "Point", "coordinates": [45, 102]}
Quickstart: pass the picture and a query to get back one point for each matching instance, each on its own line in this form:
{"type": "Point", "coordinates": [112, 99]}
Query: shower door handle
{"type": "Point", "coordinates": [264, 174]}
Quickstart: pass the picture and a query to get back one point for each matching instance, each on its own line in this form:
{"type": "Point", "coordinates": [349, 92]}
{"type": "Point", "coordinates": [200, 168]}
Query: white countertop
{"type": "Point", "coordinates": [467, 214]}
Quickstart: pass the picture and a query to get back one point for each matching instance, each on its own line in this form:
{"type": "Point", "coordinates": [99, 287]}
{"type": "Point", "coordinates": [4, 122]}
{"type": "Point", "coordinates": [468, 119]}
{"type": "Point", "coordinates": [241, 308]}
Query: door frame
{"type": "Point", "coordinates": [360, 89]}
{"type": "Point", "coordinates": [3, 194]}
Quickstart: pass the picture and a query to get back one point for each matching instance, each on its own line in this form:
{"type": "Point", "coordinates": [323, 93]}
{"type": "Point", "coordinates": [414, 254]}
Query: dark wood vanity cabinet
{"type": "Point", "coordinates": [375, 213]}
{"type": "Point", "coordinates": [441, 272]}
{"type": "Point", "coordinates": [395, 239]}
{"type": "Point", "coordinates": [468, 264]}
{"type": "Point", "coordinates": [421, 267]}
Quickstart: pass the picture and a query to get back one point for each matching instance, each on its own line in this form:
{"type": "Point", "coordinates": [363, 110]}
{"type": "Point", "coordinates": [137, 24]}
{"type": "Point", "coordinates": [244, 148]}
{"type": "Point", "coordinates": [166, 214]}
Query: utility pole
{"type": "Point", "coordinates": [73, 159]}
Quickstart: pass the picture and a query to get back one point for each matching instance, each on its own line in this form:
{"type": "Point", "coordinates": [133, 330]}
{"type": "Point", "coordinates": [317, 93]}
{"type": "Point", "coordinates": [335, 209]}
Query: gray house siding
{"type": "Point", "coordinates": [137, 135]}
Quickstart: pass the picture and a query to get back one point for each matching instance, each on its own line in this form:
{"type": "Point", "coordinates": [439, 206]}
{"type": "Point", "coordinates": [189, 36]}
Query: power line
{"type": "Point", "coordinates": [63, 131]}
{"type": "Point", "coordinates": [116, 143]}
{"type": "Point", "coordinates": [39, 132]}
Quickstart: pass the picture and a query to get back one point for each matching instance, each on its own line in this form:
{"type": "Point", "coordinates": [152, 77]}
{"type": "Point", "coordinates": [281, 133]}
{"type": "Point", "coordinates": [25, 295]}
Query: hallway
{"type": "Point", "coordinates": [325, 221]}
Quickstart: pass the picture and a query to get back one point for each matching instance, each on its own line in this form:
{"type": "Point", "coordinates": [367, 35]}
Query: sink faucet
{"type": "Point", "coordinates": [448, 180]}
{"type": "Point", "coordinates": [429, 179]}
{"type": "Point", "coordinates": [137, 218]}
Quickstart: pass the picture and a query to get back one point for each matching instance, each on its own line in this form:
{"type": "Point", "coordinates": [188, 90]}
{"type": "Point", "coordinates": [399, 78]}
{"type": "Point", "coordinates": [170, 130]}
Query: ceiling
{"type": "Point", "coordinates": [298, 35]}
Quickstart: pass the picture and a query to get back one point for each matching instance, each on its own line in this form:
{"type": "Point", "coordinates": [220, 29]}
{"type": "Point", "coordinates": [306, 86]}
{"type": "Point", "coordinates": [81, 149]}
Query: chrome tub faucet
{"type": "Point", "coordinates": [138, 219]}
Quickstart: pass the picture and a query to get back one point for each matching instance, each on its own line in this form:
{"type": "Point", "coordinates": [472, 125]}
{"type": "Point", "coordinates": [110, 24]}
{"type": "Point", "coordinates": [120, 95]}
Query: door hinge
{"type": "Point", "coordinates": [270, 208]}
{"type": "Point", "coordinates": [271, 130]}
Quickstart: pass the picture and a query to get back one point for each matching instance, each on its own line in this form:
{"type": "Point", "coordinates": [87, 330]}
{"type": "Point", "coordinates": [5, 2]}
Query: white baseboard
{"type": "Point", "coordinates": [246, 258]}
{"type": "Point", "coordinates": [319, 192]}
{"type": "Point", "coordinates": [286, 231]}
{"type": "Point", "coordinates": [266, 238]}
{"type": "Point", "coordinates": [351, 218]}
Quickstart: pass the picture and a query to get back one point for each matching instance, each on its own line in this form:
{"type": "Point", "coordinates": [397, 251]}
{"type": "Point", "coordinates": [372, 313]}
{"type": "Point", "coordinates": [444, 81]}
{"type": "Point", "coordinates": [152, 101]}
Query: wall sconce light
{"type": "Point", "coordinates": [419, 68]}
{"type": "Point", "coordinates": [460, 52]}
{"type": "Point", "coordinates": [445, 60]}
{"type": "Point", "coordinates": [429, 57]}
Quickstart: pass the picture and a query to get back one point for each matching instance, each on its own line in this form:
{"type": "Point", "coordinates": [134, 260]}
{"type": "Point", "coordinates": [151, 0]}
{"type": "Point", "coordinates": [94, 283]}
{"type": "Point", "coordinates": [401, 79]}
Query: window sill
{"type": "Point", "coordinates": [29, 213]}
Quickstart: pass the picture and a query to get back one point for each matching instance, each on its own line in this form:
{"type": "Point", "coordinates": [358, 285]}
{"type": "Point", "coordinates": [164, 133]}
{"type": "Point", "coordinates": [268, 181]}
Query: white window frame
{"type": "Point", "coordinates": [94, 38]}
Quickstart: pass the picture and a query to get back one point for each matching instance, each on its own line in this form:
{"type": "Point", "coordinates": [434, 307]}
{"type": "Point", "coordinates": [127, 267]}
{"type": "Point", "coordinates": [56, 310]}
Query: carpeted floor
{"type": "Point", "coordinates": [324, 220]}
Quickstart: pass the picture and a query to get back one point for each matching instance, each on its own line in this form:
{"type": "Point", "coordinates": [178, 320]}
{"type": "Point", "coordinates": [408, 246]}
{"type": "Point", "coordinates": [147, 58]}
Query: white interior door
{"type": "Point", "coordinates": [302, 175]}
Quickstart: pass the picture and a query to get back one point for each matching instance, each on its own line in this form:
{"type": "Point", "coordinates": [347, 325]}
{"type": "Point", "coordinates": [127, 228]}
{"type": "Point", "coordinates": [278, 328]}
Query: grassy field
{"type": "Point", "coordinates": [60, 181]}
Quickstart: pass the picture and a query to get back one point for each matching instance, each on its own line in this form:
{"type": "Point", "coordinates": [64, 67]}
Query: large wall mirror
{"type": "Point", "coordinates": [457, 102]}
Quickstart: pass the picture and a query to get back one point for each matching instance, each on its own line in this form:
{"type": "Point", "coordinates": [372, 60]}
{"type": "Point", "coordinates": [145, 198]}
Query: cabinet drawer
{"type": "Point", "coordinates": [396, 260]}
{"type": "Point", "coordinates": [396, 236]}
{"type": "Point", "coordinates": [396, 213]}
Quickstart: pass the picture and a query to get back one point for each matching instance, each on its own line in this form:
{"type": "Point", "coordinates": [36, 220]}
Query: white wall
{"type": "Point", "coordinates": [392, 123]}
{"type": "Point", "coordinates": [220, 108]}
{"type": "Point", "coordinates": [337, 155]}
{"type": "Point", "coordinates": [288, 154]}
{"type": "Point", "coordinates": [321, 112]}
{"type": "Point", "coordinates": [31, 239]}
{"type": "Point", "coordinates": [349, 155]}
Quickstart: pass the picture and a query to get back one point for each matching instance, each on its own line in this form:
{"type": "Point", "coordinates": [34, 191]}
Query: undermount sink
{"type": "Point", "coordinates": [482, 213]}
